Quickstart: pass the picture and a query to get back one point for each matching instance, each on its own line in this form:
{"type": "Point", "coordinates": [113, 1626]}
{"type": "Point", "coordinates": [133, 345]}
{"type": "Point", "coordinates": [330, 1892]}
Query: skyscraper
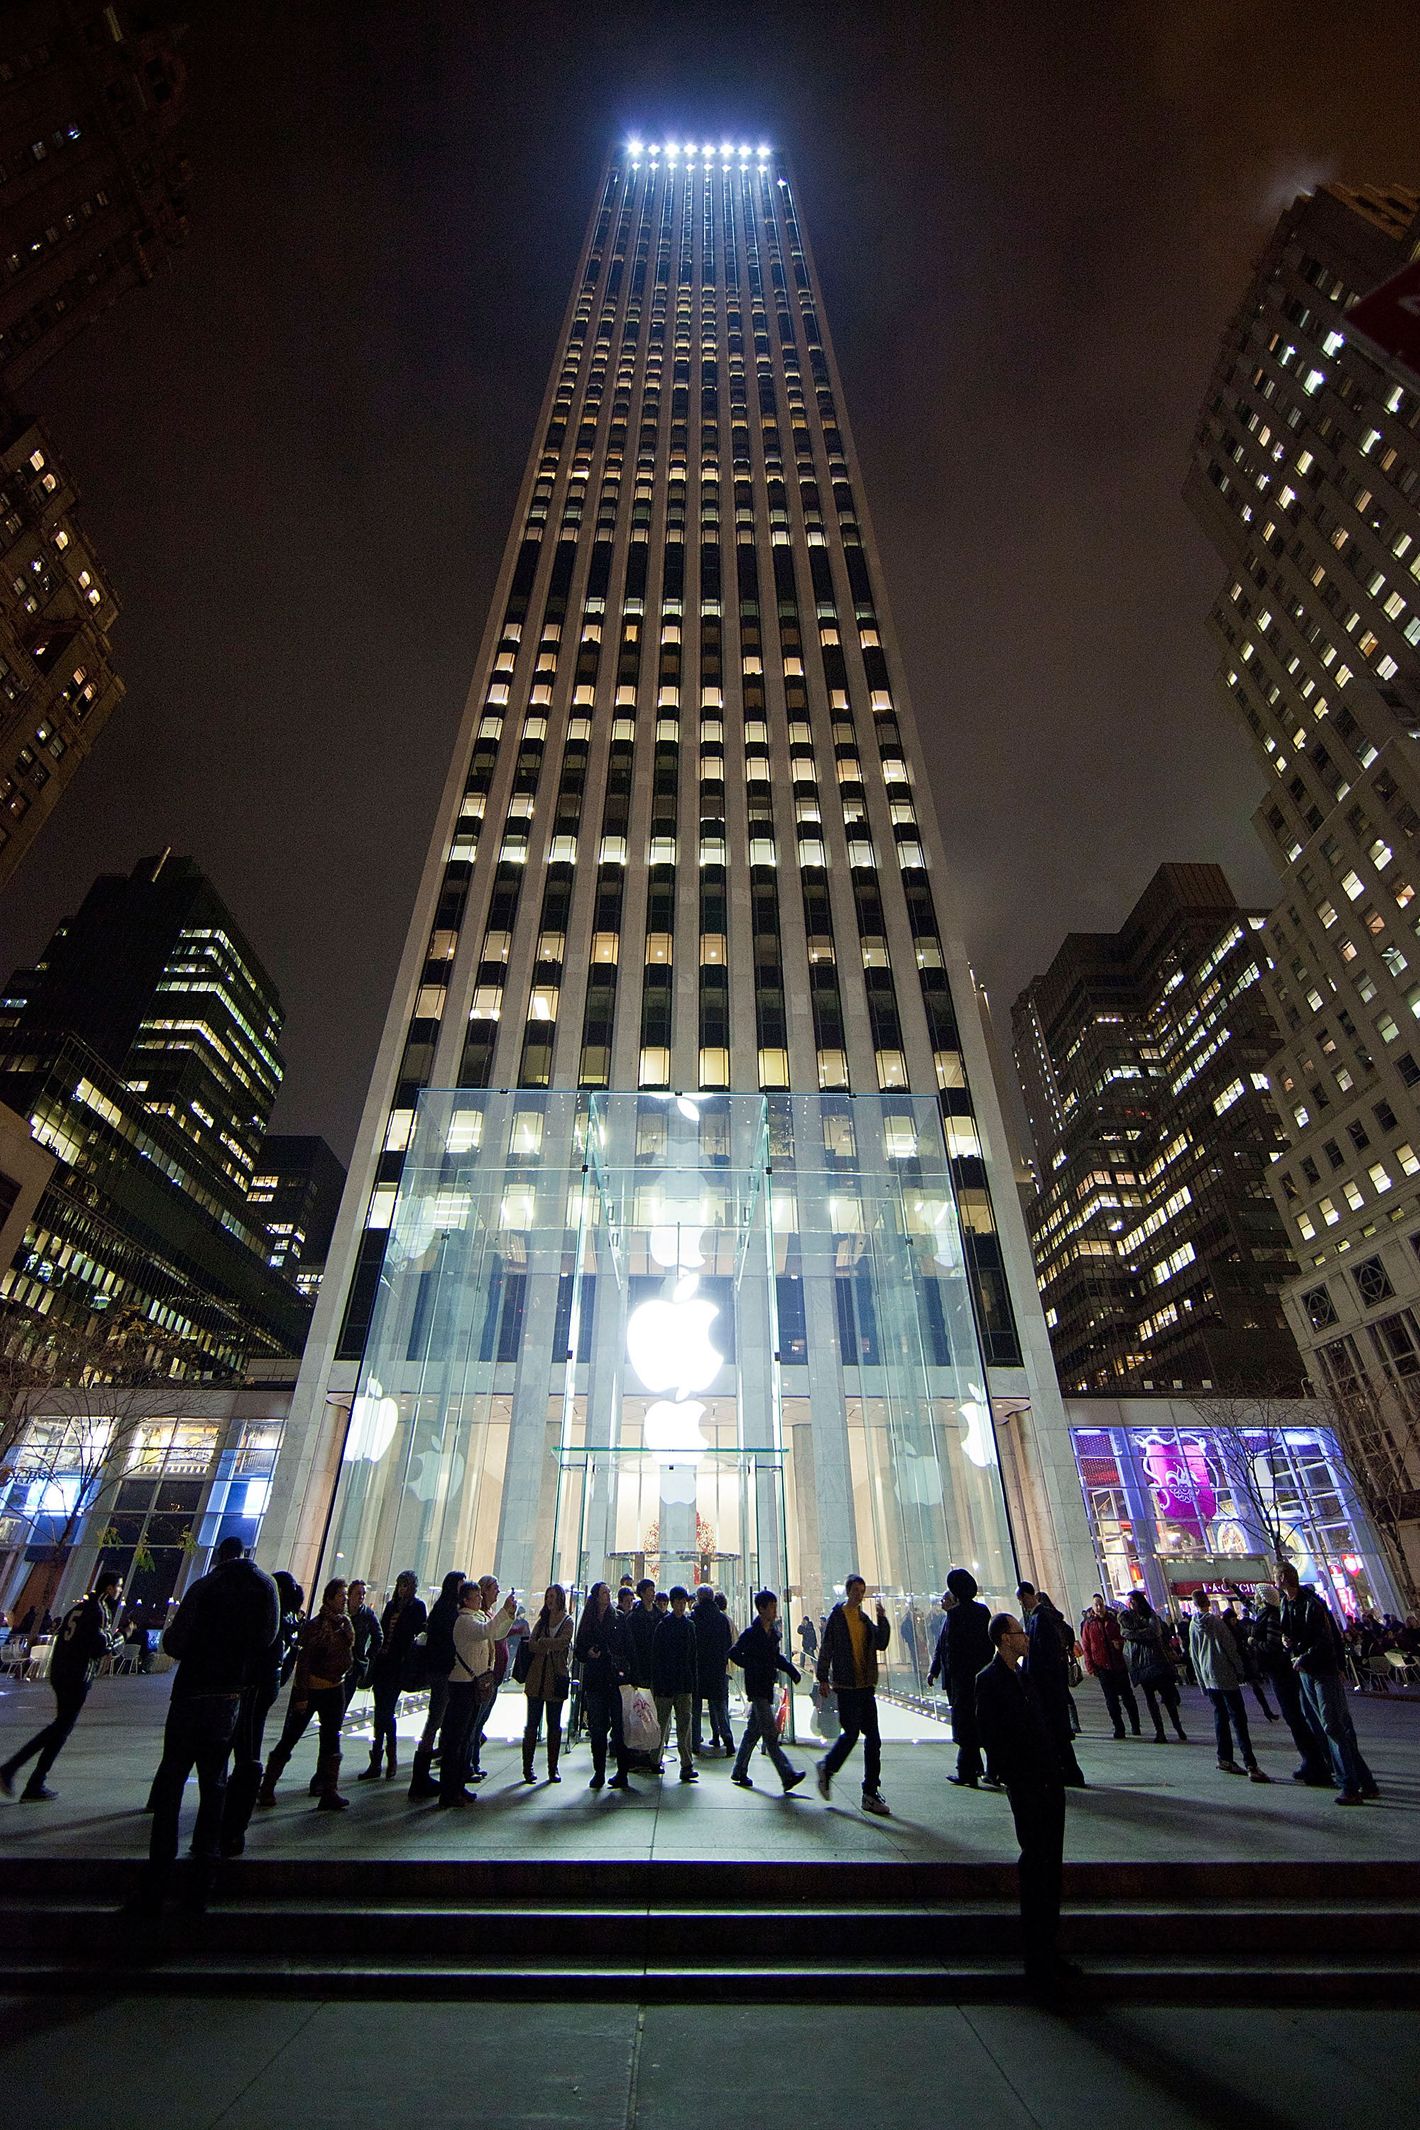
{"type": "Point", "coordinates": [1142, 1055]}
{"type": "Point", "coordinates": [1306, 476]}
{"type": "Point", "coordinates": [675, 1226]}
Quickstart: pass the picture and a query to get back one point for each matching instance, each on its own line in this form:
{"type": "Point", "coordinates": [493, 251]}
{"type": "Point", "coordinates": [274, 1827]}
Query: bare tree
{"type": "Point", "coordinates": [1251, 1426]}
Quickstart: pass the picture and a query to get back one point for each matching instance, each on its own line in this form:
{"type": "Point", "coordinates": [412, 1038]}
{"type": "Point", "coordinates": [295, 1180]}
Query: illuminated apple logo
{"type": "Point", "coordinates": [978, 1442]}
{"type": "Point", "coordinates": [668, 1344]}
{"type": "Point", "coordinates": [429, 1469]}
{"type": "Point", "coordinates": [918, 1479]}
{"type": "Point", "coordinates": [674, 1433]}
{"type": "Point", "coordinates": [373, 1420]}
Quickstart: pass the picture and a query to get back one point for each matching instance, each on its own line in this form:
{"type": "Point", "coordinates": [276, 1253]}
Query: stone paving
{"type": "Point", "coordinates": [1145, 1802]}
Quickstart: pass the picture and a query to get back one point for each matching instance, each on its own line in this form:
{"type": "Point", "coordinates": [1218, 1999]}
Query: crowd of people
{"type": "Point", "coordinates": [644, 1667]}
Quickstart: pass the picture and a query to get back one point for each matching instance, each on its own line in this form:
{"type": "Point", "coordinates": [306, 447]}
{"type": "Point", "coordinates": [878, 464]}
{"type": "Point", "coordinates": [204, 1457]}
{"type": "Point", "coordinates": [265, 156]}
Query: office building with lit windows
{"type": "Point", "coordinates": [681, 1229]}
{"type": "Point", "coordinates": [1142, 1055]}
{"type": "Point", "coordinates": [1306, 476]}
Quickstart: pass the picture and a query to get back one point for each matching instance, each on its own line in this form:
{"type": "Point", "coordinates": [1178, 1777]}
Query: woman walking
{"type": "Point", "coordinates": [322, 1660]}
{"type": "Point", "coordinates": [404, 1618]}
{"type": "Point", "coordinates": [1150, 1666]}
{"type": "Point", "coordinates": [549, 1676]}
{"type": "Point", "coordinates": [599, 1652]}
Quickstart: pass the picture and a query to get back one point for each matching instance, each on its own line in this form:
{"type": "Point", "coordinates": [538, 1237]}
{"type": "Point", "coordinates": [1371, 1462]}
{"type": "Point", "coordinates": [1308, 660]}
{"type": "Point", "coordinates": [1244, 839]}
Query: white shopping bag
{"type": "Point", "coordinates": [638, 1720]}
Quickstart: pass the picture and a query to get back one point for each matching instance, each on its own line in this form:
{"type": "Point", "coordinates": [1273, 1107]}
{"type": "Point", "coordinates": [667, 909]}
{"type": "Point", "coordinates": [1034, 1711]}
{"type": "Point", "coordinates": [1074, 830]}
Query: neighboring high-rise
{"type": "Point", "coordinates": [1306, 476]}
{"type": "Point", "coordinates": [1142, 1056]}
{"type": "Point", "coordinates": [93, 189]}
{"type": "Point", "coordinates": [297, 1186]}
{"type": "Point", "coordinates": [142, 1048]}
{"type": "Point", "coordinates": [681, 1224]}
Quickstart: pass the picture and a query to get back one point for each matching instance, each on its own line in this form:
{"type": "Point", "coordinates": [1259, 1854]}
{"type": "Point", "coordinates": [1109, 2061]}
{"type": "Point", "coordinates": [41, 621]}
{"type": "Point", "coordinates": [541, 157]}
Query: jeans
{"type": "Point", "coordinates": [1228, 1703]}
{"type": "Point", "coordinates": [681, 1705]}
{"type": "Point", "coordinates": [461, 1704]}
{"type": "Point", "coordinates": [1307, 1734]}
{"type": "Point", "coordinates": [603, 1707]}
{"type": "Point", "coordinates": [858, 1713]}
{"type": "Point", "coordinates": [480, 1724]}
{"type": "Point", "coordinates": [50, 1742]}
{"type": "Point", "coordinates": [1162, 1692]}
{"type": "Point", "coordinates": [1039, 1814]}
{"type": "Point", "coordinates": [717, 1699]}
{"type": "Point", "coordinates": [1119, 1700]}
{"type": "Point", "coordinates": [1325, 1699]}
{"type": "Point", "coordinates": [533, 1727]}
{"type": "Point", "coordinates": [438, 1695]}
{"type": "Point", "coordinates": [198, 1733]}
{"type": "Point", "coordinates": [245, 1778]}
{"type": "Point", "coordinates": [387, 1691]}
{"type": "Point", "coordinates": [760, 1724]}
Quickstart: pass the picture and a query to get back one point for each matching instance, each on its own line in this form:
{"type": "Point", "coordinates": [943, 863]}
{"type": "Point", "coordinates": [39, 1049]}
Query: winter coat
{"type": "Point", "coordinates": [1269, 1644]}
{"type": "Point", "coordinates": [440, 1632]}
{"type": "Point", "coordinates": [1019, 1743]}
{"type": "Point", "coordinates": [1145, 1649]}
{"type": "Point", "coordinates": [549, 1673]}
{"type": "Point", "coordinates": [86, 1636]}
{"type": "Point", "coordinates": [1312, 1633]}
{"type": "Point", "coordinates": [323, 1655]}
{"type": "Point", "coordinates": [673, 1656]}
{"type": "Point", "coordinates": [400, 1627]}
{"type": "Point", "coordinates": [1050, 1644]}
{"type": "Point", "coordinates": [1216, 1662]}
{"type": "Point", "coordinates": [963, 1648]}
{"type": "Point", "coordinates": [759, 1656]}
{"type": "Point", "coordinates": [1103, 1643]}
{"type": "Point", "coordinates": [222, 1632]}
{"type": "Point", "coordinates": [835, 1665]}
{"type": "Point", "coordinates": [368, 1637]}
{"type": "Point", "coordinates": [712, 1647]}
{"type": "Point", "coordinates": [638, 1630]}
{"type": "Point", "coordinates": [598, 1650]}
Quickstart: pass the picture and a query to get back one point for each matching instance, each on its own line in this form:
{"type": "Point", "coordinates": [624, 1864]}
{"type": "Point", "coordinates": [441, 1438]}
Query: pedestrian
{"type": "Point", "coordinates": [365, 1626]}
{"type": "Point", "coordinates": [598, 1651]}
{"type": "Point", "coordinates": [1050, 1643]}
{"type": "Point", "coordinates": [87, 1634]}
{"type": "Point", "coordinates": [625, 1599]}
{"type": "Point", "coordinates": [907, 1636]}
{"type": "Point", "coordinates": [963, 1651]}
{"type": "Point", "coordinates": [639, 1627]}
{"type": "Point", "coordinates": [259, 1697]}
{"type": "Point", "coordinates": [503, 1647]}
{"type": "Point", "coordinates": [439, 1657]}
{"type": "Point", "coordinates": [317, 1690]}
{"type": "Point", "coordinates": [1314, 1642]}
{"type": "Point", "coordinates": [1219, 1672]}
{"type": "Point", "coordinates": [1023, 1741]}
{"type": "Point", "coordinates": [759, 1656]}
{"type": "Point", "coordinates": [712, 1678]}
{"type": "Point", "coordinates": [548, 1679]}
{"type": "Point", "coordinates": [673, 1676]}
{"type": "Point", "coordinates": [403, 1620]}
{"type": "Point", "coordinates": [1102, 1640]}
{"type": "Point", "coordinates": [808, 1640]}
{"type": "Point", "coordinates": [1241, 1632]}
{"type": "Point", "coordinates": [1146, 1649]}
{"type": "Point", "coordinates": [475, 1636]}
{"type": "Point", "coordinates": [848, 1662]}
{"type": "Point", "coordinates": [221, 1635]}
{"type": "Point", "coordinates": [1274, 1663]}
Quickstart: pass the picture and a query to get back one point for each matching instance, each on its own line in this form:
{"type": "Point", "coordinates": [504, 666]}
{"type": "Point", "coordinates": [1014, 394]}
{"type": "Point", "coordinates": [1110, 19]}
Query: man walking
{"type": "Point", "coordinates": [1219, 1671]}
{"type": "Point", "coordinates": [673, 1676]}
{"type": "Point", "coordinates": [221, 1636]}
{"type": "Point", "coordinates": [759, 1656]}
{"type": "Point", "coordinates": [1023, 1745]}
{"type": "Point", "coordinates": [963, 1651]}
{"type": "Point", "coordinates": [848, 1663]}
{"type": "Point", "coordinates": [1048, 1644]}
{"type": "Point", "coordinates": [87, 1634]}
{"type": "Point", "coordinates": [1102, 1639]}
{"type": "Point", "coordinates": [1314, 1640]}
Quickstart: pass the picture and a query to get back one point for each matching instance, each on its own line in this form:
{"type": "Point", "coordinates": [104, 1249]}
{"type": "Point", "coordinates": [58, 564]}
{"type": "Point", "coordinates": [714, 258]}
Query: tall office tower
{"type": "Point", "coordinates": [92, 186]}
{"type": "Point", "coordinates": [143, 1050]}
{"type": "Point", "coordinates": [670, 1235]}
{"type": "Point", "coordinates": [1306, 476]}
{"type": "Point", "coordinates": [297, 1185]}
{"type": "Point", "coordinates": [57, 683]}
{"type": "Point", "coordinates": [1142, 1056]}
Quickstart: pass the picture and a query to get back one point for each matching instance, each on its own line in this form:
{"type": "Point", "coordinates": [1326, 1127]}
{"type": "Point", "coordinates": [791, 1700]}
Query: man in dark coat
{"type": "Point", "coordinates": [1023, 1745]}
{"type": "Point", "coordinates": [673, 1676]}
{"type": "Point", "coordinates": [712, 1686]}
{"type": "Point", "coordinates": [760, 1657]}
{"type": "Point", "coordinates": [439, 1646]}
{"type": "Point", "coordinates": [1048, 1645]}
{"type": "Point", "coordinates": [221, 1636]}
{"type": "Point", "coordinates": [638, 1627]}
{"type": "Point", "coordinates": [86, 1635]}
{"type": "Point", "coordinates": [963, 1650]}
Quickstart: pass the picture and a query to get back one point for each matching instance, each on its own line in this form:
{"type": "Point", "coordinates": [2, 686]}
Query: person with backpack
{"type": "Point", "coordinates": [761, 1659]}
{"type": "Point", "coordinates": [87, 1634]}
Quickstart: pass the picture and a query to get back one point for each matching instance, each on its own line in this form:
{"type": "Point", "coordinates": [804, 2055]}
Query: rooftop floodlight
{"type": "Point", "coordinates": [655, 147]}
{"type": "Point", "coordinates": [744, 150]}
{"type": "Point", "coordinates": [672, 148]}
{"type": "Point", "coordinates": [708, 150]}
{"type": "Point", "coordinates": [727, 147]}
{"type": "Point", "coordinates": [634, 146]}
{"type": "Point", "coordinates": [690, 147]}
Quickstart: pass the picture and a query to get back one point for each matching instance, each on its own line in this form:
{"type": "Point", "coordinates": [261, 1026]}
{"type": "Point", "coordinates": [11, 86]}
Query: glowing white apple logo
{"type": "Point", "coordinates": [373, 1420]}
{"type": "Point", "coordinates": [668, 1343]}
{"type": "Point", "coordinates": [430, 1471]}
{"type": "Point", "coordinates": [919, 1479]}
{"type": "Point", "coordinates": [978, 1442]}
{"type": "Point", "coordinates": [674, 1433]}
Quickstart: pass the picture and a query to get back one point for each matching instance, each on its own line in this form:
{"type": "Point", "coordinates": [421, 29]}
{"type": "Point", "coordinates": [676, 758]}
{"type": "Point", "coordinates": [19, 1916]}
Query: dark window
{"type": "Point", "coordinates": [1372, 1282]}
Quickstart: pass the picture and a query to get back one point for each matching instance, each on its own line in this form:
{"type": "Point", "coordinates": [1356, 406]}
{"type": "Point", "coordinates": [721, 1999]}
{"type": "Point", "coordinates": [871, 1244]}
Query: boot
{"type": "Point", "coordinates": [554, 1754]}
{"type": "Point", "coordinates": [329, 1773]}
{"type": "Point", "coordinates": [421, 1782]}
{"type": "Point", "coordinates": [529, 1773]}
{"type": "Point", "coordinates": [266, 1795]}
{"type": "Point", "coordinates": [368, 1774]}
{"type": "Point", "coordinates": [391, 1759]}
{"type": "Point", "coordinates": [313, 1786]}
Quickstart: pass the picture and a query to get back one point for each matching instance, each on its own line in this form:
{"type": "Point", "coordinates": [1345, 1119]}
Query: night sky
{"type": "Point", "coordinates": [299, 451]}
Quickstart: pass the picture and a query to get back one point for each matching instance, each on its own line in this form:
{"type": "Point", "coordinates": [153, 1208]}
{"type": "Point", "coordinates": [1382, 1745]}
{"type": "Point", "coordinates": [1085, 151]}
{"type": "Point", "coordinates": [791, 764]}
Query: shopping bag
{"type": "Point", "coordinates": [638, 1720]}
{"type": "Point", "coordinates": [781, 1712]}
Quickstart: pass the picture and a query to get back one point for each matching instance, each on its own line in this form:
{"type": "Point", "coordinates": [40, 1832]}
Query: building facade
{"type": "Point", "coordinates": [297, 1189]}
{"type": "Point", "coordinates": [681, 1225]}
{"type": "Point", "coordinates": [142, 1049]}
{"type": "Point", "coordinates": [1306, 476]}
{"type": "Point", "coordinates": [1142, 1056]}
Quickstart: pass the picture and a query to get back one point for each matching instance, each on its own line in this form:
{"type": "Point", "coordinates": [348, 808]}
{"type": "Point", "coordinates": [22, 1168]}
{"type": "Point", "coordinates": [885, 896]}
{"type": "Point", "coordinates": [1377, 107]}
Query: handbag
{"type": "Point", "coordinates": [522, 1659]}
{"type": "Point", "coordinates": [639, 1727]}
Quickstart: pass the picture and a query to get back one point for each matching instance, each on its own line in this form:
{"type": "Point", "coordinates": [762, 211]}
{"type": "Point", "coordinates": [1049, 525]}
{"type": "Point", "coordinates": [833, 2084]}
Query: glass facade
{"type": "Point", "coordinates": [723, 1337]}
{"type": "Point", "coordinates": [1173, 1508]}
